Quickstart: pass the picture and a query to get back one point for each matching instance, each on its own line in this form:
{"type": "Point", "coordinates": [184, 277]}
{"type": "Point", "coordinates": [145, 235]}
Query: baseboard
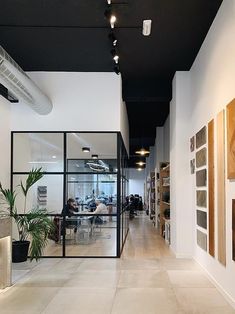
{"type": "Point", "coordinates": [225, 294]}
{"type": "Point", "coordinates": [183, 256]}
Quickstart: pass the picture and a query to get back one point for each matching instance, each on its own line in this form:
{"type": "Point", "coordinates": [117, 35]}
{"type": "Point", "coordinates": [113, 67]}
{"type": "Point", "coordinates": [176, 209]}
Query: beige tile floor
{"type": "Point", "coordinates": [148, 279]}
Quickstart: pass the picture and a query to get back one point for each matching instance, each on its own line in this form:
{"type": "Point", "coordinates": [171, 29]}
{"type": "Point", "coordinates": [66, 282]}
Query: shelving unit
{"type": "Point", "coordinates": [164, 200]}
{"type": "Point", "coordinates": [152, 198]}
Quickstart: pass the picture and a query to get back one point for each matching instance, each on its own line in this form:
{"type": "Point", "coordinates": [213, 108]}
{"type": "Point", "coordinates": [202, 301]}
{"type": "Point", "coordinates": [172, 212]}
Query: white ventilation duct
{"type": "Point", "coordinates": [20, 85]}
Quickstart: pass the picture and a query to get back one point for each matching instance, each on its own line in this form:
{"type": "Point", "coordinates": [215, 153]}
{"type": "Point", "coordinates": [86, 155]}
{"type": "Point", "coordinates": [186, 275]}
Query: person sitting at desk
{"type": "Point", "coordinates": [69, 210]}
{"type": "Point", "coordinates": [100, 209]}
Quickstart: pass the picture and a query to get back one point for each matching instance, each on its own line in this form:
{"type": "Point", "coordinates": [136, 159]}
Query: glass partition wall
{"type": "Point", "coordinates": [89, 167]}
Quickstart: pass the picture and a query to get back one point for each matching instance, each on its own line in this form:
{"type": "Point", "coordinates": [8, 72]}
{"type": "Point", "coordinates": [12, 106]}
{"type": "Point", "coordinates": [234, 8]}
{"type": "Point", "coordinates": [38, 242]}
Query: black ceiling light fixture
{"type": "Point", "coordinates": [110, 17]}
{"type": "Point", "coordinates": [86, 149]}
{"type": "Point", "coordinates": [116, 69]}
{"type": "Point", "coordinates": [94, 156]}
{"type": "Point", "coordinates": [113, 39]}
{"type": "Point", "coordinates": [115, 55]}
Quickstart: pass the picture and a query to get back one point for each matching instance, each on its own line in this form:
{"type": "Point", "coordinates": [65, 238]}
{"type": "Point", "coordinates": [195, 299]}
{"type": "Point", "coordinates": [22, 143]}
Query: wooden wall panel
{"type": "Point", "coordinates": [211, 188]}
{"type": "Point", "coordinates": [233, 224]}
{"type": "Point", "coordinates": [231, 140]}
{"type": "Point", "coordinates": [221, 188]}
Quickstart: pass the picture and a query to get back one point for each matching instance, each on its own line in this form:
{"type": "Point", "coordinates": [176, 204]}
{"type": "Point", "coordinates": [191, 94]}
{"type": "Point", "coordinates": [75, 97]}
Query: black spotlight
{"type": "Point", "coordinates": [113, 39]}
{"type": "Point", "coordinates": [110, 17]}
{"type": "Point", "coordinates": [115, 55]}
{"type": "Point", "coordinates": [116, 69]}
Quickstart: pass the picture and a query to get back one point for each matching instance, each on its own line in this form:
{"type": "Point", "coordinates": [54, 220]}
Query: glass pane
{"type": "Point", "coordinates": [90, 236]}
{"type": "Point", "coordinates": [100, 157]}
{"type": "Point", "coordinates": [38, 150]}
{"type": "Point", "coordinates": [85, 188]}
{"type": "Point", "coordinates": [47, 193]}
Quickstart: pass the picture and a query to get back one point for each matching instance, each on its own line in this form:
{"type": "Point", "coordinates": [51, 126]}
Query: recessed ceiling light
{"type": "Point", "coordinates": [54, 157]}
{"type": "Point", "coordinates": [146, 27]}
{"type": "Point", "coordinates": [139, 169]}
{"type": "Point", "coordinates": [109, 1]}
{"type": "Point", "coordinates": [94, 156]}
{"type": "Point", "coordinates": [142, 152]}
{"type": "Point", "coordinates": [86, 149]}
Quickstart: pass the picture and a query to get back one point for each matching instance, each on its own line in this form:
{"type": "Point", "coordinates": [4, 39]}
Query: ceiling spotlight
{"type": "Point", "coordinates": [54, 156]}
{"type": "Point", "coordinates": [113, 39]}
{"type": "Point", "coordinates": [116, 69]}
{"type": "Point", "coordinates": [86, 149]}
{"type": "Point", "coordinates": [140, 163]}
{"type": "Point", "coordinates": [139, 169]}
{"type": "Point", "coordinates": [111, 17]}
{"type": "Point", "coordinates": [109, 1]}
{"type": "Point", "coordinates": [115, 55]}
{"type": "Point", "coordinates": [94, 156]}
{"type": "Point", "coordinates": [142, 152]}
{"type": "Point", "coordinates": [146, 27]}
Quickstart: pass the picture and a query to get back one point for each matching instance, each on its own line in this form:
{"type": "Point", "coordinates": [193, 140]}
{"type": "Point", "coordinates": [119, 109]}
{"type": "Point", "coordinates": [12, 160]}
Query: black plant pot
{"type": "Point", "coordinates": [20, 251]}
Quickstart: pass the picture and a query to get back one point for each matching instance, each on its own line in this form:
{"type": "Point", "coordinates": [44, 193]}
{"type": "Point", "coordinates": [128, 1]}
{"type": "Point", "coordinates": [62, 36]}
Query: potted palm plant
{"type": "Point", "coordinates": [34, 226]}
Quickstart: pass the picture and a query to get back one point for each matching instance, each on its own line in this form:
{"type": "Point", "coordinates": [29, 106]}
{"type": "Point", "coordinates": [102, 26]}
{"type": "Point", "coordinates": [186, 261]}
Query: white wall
{"type": "Point", "coordinates": [180, 190]}
{"type": "Point", "coordinates": [81, 102]}
{"type": "Point", "coordinates": [166, 139]}
{"type": "Point", "coordinates": [136, 182]}
{"type": "Point", "coordinates": [213, 86]}
{"type": "Point", "coordinates": [5, 138]}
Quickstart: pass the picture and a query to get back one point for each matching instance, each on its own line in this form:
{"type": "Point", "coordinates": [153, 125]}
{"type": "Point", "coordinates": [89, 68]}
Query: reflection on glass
{"type": "Point", "coordinates": [86, 188]}
{"type": "Point", "coordinates": [47, 193]}
{"type": "Point", "coordinates": [92, 165]}
{"type": "Point", "coordinates": [35, 150]}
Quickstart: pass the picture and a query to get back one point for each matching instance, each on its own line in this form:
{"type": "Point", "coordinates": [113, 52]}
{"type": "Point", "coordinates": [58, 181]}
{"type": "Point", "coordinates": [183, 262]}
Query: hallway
{"type": "Point", "coordinates": [146, 280]}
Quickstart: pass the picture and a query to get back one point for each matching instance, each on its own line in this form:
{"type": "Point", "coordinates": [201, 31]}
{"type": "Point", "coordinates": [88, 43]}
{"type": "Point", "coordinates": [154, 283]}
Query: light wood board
{"type": "Point", "coordinates": [221, 212]}
{"type": "Point", "coordinates": [211, 188]}
{"type": "Point", "coordinates": [233, 226]}
{"type": "Point", "coordinates": [231, 140]}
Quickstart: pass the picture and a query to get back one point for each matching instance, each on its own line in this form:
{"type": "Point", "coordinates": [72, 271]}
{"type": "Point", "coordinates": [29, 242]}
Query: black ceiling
{"type": "Point", "coordinates": [72, 35]}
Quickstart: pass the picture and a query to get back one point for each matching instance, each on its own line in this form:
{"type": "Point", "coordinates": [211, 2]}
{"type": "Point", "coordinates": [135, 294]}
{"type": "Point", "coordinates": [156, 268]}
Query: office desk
{"type": "Point", "coordinates": [84, 227]}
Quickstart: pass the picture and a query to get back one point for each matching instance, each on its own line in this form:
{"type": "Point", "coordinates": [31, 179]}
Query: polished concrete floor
{"type": "Point", "coordinates": [148, 279]}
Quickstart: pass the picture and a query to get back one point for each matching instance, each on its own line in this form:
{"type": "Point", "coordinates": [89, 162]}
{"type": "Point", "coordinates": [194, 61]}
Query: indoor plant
{"type": "Point", "coordinates": [33, 225]}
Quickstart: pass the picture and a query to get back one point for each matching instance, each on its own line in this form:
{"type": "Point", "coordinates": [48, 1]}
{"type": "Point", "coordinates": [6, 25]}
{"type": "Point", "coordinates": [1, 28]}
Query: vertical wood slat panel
{"type": "Point", "coordinates": [231, 140]}
{"type": "Point", "coordinates": [233, 226]}
{"type": "Point", "coordinates": [211, 188]}
{"type": "Point", "coordinates": [221, 210]}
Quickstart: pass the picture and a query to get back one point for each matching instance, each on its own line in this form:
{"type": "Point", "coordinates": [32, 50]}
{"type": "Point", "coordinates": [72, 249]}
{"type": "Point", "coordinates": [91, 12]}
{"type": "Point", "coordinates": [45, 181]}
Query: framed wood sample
{"type": "Point", "coordinates": [201, 157]}
{"type": "Point", "coordinates": [192, 166]}
{"type": "Point", "coordinates": [201, 137]}
{"type": "Point", "coordinates": [192, 144]}
{"type": "Point", "coordinates": [201, 198]}
{"type": "Point", "coordinates": [202, 219]}
{"type": "Point", "coordinates": [201, 178]}
{"type": "Point", "coordinates": [221, 212]}
{"type": "Point", "coordinates": [211, 188]}
{"type": "Point", "coordinates": [202, 240]}
{"type": "Point", "coordinates": [231, 140]}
